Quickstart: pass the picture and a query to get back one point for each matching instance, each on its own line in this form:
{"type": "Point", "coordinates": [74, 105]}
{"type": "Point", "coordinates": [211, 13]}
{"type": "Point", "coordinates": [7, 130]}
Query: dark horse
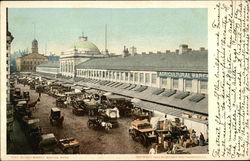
{"type": "Point", "coordinates": [33, 104]}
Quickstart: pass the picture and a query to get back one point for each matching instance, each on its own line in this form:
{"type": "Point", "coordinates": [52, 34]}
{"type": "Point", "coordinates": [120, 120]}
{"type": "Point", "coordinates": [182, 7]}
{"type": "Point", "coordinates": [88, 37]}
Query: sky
{"type": "Point", "coordinates": [148, 29]}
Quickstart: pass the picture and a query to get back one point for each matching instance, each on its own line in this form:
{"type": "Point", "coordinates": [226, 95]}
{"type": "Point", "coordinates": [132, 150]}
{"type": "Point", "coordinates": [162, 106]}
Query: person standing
{"type": "Point", "coordinates": [202, 140]}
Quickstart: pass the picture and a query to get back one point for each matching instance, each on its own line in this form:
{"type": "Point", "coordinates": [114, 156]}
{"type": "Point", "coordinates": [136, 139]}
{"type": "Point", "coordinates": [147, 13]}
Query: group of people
{"type": "Point", "coordinates": [171, 146]}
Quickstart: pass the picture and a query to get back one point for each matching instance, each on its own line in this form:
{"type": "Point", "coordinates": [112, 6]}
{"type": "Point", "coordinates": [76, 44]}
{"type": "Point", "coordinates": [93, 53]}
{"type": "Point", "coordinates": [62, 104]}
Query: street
{"type": "Point", "coordinates": [116, 141]}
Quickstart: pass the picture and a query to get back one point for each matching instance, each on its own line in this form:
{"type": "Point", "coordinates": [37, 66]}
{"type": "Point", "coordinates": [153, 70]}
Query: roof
{"type": "Point", "coordinates": [184, 104]}
{"type": "Point", "coordinates": [54, 109]}
{"type": "Point", "coordinates": [34, 55]}
{"type": "Point", "coordinates": [87, 45]}
{"type": "Point", "coordinates": [51, 64]}
{"type": "Point", "coordinates": [84, 46]}
{"type": "Point", "coordinates": [48, 136]}
{"type": "Point", "coordinates": [192, 61]}
{"type": "Point", "coordinates": [139, 122]}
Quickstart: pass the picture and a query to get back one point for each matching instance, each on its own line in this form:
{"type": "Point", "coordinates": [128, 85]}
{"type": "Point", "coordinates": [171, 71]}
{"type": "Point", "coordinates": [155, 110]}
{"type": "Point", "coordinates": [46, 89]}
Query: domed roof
{"type": "Point", "coordinates": [86, 46]}
{"type": "Point", "coordinates": [34, 41]}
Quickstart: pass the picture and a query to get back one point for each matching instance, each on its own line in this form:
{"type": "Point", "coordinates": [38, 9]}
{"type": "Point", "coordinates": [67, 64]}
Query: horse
{"type": "Point", "coordinates": [60, 121]}
{"type": "Point", "coordinates": [33, 104]}
{"type": "Point", "coordinates": [106, 125]}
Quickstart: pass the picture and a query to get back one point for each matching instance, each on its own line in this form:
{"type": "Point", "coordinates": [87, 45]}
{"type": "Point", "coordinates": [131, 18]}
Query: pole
{"type": "Point", "coordinates": [105, 37]}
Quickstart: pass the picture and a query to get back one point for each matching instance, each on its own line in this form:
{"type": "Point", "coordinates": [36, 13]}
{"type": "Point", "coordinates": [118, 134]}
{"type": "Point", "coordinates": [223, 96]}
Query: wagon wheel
{"type": "Point", "coordinates": [143, 140]}
{"type": "Point", "coordinates": [133, 136]}
{"type": "Point", "coordinates": [90, 124]}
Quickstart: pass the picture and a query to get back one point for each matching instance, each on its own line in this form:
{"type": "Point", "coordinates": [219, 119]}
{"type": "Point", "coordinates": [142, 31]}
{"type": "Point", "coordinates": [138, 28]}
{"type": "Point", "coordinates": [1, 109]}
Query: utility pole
{"type": "Point", "coordinates": [34, 30]}
{"type": "Point", "coordinates": [106, 50]}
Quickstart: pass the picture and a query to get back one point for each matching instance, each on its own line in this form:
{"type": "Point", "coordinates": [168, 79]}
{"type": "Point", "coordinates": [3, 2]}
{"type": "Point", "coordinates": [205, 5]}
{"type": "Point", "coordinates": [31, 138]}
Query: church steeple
{"type": "Point", "coordinates": [34, 46]}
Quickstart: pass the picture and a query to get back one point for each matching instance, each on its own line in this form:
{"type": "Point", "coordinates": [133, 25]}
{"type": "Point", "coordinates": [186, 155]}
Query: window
{"type": "Point", "coordinates": [175, 83]}
{"type": "Point", "coordinates": [122, 75]}
{"type": "Point", "coordinates": [117, 75]}
{"type": "Point", "coordinates": [164, 82]}
{"type": "Point", "coordinates": [188, 83]}
{"type": "Point", "coordinates": [142, 77]}
{"type": "Point", "coordinates": [153, 79]}
{"type": "Point", "coordinates": [131, 77]}
{"type": "Point", "coordinates": [136, 77]}
{"type": "Point", "coordinates": [203, 84]}
{"type": "Point", "coordinates": [147, 78]}
{"type": "Point", "coordinates": [110, 75]}
{"type": "Point", "coordinates": [126, 76]}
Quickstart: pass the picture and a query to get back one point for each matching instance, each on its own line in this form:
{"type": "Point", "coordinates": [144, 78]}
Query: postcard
{"type": "Point", "coordinates": [125, 80]}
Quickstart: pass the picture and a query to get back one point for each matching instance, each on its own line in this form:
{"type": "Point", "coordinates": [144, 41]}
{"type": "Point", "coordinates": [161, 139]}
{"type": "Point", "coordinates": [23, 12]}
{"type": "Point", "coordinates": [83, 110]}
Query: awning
{"type": "Point", "coordinates": [107, 94]}
{"type": "Point", "coordinates": [77, 87]}
{"type": "Point", "coordinates": [135, 100]}
{"type": "Point", "coordinates": [114, 96]}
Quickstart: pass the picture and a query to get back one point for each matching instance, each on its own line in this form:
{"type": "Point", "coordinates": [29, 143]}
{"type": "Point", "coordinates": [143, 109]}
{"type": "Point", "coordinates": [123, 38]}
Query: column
{"type": "Point", "coordinates": [181, 84]}
{"type": "Point", "coordinates": [169, 83]}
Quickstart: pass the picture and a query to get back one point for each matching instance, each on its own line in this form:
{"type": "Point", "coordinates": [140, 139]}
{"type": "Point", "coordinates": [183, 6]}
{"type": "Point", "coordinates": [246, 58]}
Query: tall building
{"type": "Point", "coordinates": [29, 62]}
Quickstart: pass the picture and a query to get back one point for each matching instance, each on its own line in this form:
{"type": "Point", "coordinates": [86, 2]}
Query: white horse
{"type": "Point", "coordinates": [107, 125]}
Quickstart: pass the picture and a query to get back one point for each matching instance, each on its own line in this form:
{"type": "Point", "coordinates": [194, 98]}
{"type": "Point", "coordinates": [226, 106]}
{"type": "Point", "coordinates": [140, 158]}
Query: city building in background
{"type": "Point", "coordinates": [29, 62]}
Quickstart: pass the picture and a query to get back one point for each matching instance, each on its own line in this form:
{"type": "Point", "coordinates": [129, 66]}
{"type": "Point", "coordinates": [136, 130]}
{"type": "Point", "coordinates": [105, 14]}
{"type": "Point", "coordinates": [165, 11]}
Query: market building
{"type": "Point", "coordinates": [170, 85]}
{"type": "Point", "coordinates": [50, 68]}
{"type": "Point", "coordinates": [186, 72]}
{"type": "Point", "coordinates": [29, 62]}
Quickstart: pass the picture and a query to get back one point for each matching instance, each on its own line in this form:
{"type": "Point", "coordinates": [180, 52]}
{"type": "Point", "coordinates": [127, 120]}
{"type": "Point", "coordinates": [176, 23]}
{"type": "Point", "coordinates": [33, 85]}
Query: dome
{"type": "Point", "coordinates": [34, 41]}
{"type": "Point", "coordinates": [86, 46]}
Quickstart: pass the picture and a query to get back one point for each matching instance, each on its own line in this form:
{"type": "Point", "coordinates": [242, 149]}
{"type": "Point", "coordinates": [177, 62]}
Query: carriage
{"type": "Point", "coordinates": [78, 108]}
{"type": "Point", "coordinates": [60, 102]}
{"type": "Point", "coordinates": [99, 123]}
{"type": "Point", "coordinates": [55, 117]}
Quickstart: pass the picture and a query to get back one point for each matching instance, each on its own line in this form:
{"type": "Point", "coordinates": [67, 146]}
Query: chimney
{"type": "Point", "coordinates": [167, 51]}
{"type": "Point", "coordinates": [133, 51]}
{"type": "Point", "coordinates": [202, 49]}
{"type": "Point", "coordinates": [183, 48]}
{"type": "Point", "coordinates": [125, 52]}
